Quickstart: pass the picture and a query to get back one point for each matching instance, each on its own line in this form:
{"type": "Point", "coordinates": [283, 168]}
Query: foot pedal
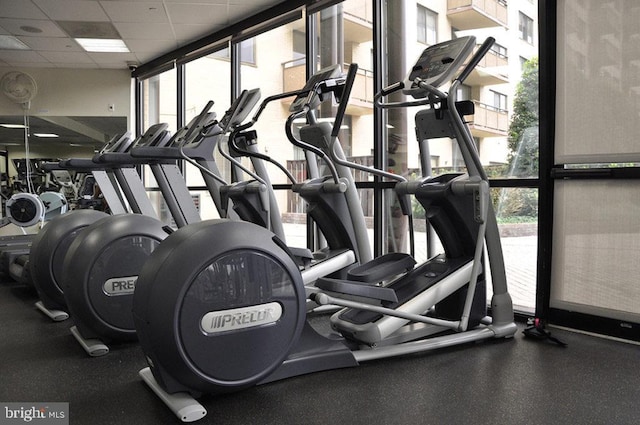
{"type": "Point", "coordinates": [55, 315]}
{"type": "Point", "coordinates": [93, 347]}
{"type": "Point", "coordinates": [382, 268]}
{"type": "Point", "coordinates": [185, 407]}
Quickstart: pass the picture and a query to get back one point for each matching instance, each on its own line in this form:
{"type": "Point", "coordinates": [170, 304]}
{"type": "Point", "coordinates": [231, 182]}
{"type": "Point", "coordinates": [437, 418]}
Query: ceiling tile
{"type": "Point", "coordinates": [105, 58]}
{"type": "Point", "coordinates": [240, 11]}
{"type": "Point", "coordinates": [144, 57]}
{"type": "Point", "coordinates": [188, 33]}
{"type": "Point", "coordinates": [75, 65]}
{"type": "Point", "coordinates": [140, 12]}
{"type": "Point", "coordinates": [67, 57]}
{"type": "Point", "coordinates": [23, 9]}
{"type": "Point", "coordinates": [25, 56]}
{"type": "Point", "coordinates": [45, 64]}
{"type": "Point", "coordinates": [211, 14]}
{"type": "Point", "coordinates": [72, 10]}
{"type": "Point", "coordinates": [89, 29]}
{"type": "Point", "coordinates": [146, 31]}
{"type": "Point", "coordinates": [151, 45]}
{"type": "Point", "coordinates": [49, 29]}
{"type": "Point", "coordinates": [150, 28]}
{"type": "Point", "coordinates": [51, 43]}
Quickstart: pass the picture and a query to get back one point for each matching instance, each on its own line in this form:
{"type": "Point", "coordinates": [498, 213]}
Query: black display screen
{"type": "Point", "coordinates": [324, 74]}
{"type": "Point", "coordinates": [240, 109]}
{"type": "Point", "coordinates": [438, 63]}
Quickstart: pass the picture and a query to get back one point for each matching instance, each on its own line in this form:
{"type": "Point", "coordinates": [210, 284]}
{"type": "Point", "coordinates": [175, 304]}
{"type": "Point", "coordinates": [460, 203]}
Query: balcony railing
{"type": "Point", "coordinates": [492, 69]}
{"type": "Point", "coordinates": [493, 59]}
{"type": "Point", "coordinates": [472, 14]}
{"type": "Point", "coordinates": [489, 121]}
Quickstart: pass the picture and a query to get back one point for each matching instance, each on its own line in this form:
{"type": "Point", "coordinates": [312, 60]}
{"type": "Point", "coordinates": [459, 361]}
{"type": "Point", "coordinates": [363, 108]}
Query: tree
{"type": "Point", "coordinates": [521, 204]}
{"type": "Point", "coordinates": [523, 129]}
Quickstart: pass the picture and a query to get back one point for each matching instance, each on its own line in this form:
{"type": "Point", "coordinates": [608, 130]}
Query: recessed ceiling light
{"type": "Point", "coordinates": [51, 135]}
{"type": "Point", "coordinates": [29, 28]}
{"type": "Point", "coordinates": [13, 126]}
{"type": "Point", "coordinates": [102, 45]}
{"type": "Point", "coordinates": [9, 42]}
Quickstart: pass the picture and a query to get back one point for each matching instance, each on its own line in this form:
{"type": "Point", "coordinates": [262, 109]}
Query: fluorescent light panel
{"type": "Point", "coordinates": [50, 135]}
{"type": "Point", "coordinates": [103, 45]}
{"type": "Point", "coordinates": [9, 42]}
{"type": "Point", "coordinates": [13, 126]}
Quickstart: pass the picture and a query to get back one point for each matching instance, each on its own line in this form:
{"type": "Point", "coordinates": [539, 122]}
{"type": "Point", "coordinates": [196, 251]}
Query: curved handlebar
{"type": "Point", "coordinates": [334, 135]}
{"type": "Point", "coordinates": [234, 144]}
{"type": "Point", "coordinates": [476, 58]}
{"type": "Point", "coordinates": [434, 96]}
{"type": "Point", "coordinates": [392, 88]}
{"type": "Point", "coordinates": [346, 92]}
{"type": "Point", "coordinates": [264, 103]}
{"type": "Point", "coordinates": [377, 101]}
{"type": "Point", "coordinates": [201, 116]}
{"type": "Point", "coordinates": [299, 143]}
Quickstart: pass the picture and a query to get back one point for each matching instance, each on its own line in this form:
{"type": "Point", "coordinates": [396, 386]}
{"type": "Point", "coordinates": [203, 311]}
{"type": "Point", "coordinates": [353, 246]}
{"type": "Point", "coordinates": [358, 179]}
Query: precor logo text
{"type": "Point", "coordinates": [240, 318]}
{"type": "Point", "coordinates": [120, 286]}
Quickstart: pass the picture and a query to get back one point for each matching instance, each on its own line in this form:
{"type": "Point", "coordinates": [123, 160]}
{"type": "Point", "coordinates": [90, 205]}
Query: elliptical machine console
{"type": "Point", "coordinates": [308, 96]}
{"type": "Point", "coordinates": [436, 65]}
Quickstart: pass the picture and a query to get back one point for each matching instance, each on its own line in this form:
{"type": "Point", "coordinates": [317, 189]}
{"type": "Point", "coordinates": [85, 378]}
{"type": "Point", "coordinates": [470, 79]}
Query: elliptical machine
{"type": "Point", "coordinates": [99, 288]}
{"type": "Point", "coordinates": [51, 244]}
{"type": "Point", "coordinates": [228, 316]}
{"type": "Point", "coordinates": [332, 203]}
{"type": "Point", "coordinates": [27, 209]}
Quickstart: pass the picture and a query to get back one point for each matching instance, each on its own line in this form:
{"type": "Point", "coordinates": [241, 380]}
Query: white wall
{"type": "Point", "coordinates": [81, 92]}
{"type": "Point", "coordinates": [67, 92]}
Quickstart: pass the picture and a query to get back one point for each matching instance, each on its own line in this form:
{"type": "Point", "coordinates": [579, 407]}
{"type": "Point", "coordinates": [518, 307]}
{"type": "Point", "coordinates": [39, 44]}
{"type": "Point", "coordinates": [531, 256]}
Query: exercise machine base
{"type": "Point", "coordinates": [55, 315]}
{"type": "Point", "coordinates": [93, 347]}
{"type": "Point", "coordinates": [185, 407]}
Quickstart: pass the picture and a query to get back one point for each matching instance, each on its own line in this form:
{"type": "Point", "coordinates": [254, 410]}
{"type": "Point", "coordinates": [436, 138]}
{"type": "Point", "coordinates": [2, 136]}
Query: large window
{"type": "Point", "coordinates": [345, 37]}
{"type": "Point", "coordinates": [525, 26]}
{"type": "Point", "coordinates": [276, 71]}
{"type": "Point", "coordinates": [503, 96]}
{"type": "Point", "coordinates": [159, 101]}
{"type": "Point", "coordinates": [499, 100]}
{"type": "Point", "coordinates": [427, 25]}
{"type": "Point", "coordinates": [503, 90]}
{"type": "Point", "coordinates": [200, 88]}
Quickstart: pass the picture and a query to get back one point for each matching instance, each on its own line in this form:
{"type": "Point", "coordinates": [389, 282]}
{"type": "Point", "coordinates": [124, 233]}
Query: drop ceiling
{"type": "Point", "coordinates": [148, 28]}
